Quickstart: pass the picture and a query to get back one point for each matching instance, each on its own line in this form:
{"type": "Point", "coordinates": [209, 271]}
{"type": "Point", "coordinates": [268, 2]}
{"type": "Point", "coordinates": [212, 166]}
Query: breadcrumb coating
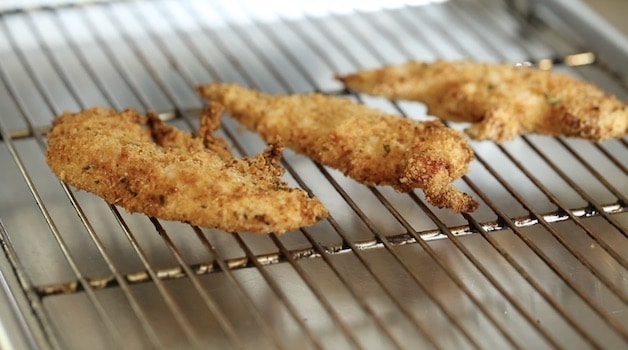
{"type": "Point", "coordinates": [368, 145]}
{"type": "Point", "coordinates": [501, 100]}
{"type": "Point", "coordinates": [145, 165]}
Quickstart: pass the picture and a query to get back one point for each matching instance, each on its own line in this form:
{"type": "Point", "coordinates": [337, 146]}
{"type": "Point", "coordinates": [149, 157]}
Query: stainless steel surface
{"type": "Point", "coordinates": [541, 264]}
{"type": "Point", "coordinates": [612, 11]}
{"type": "Point", "coordinates": [593, 29]}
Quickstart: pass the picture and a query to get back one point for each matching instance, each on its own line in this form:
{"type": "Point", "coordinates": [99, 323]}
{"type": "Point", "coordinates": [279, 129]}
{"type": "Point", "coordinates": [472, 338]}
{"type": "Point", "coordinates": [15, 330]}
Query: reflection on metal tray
{"type": "Point", "coordinates": [541, 264]}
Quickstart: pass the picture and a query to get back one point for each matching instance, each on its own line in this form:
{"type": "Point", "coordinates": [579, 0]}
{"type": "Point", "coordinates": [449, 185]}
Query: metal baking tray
{"type": "Point", "coordinates": [541, 264]}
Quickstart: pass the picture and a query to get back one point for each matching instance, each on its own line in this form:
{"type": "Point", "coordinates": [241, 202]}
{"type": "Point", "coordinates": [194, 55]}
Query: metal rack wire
{"type": "Point", "coordinates": [541, 264]}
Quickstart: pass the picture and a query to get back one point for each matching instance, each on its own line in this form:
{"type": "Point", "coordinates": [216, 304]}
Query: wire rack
{"type": "Point", "coordinates": [541, 264]}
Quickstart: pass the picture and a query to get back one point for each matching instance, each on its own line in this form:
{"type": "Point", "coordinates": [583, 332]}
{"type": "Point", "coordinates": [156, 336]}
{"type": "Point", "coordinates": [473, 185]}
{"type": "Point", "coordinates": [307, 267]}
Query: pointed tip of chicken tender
{"type": "Point", "coordinates": [434, 168]}
{"type": "Point", "coordinates": [145, 165]}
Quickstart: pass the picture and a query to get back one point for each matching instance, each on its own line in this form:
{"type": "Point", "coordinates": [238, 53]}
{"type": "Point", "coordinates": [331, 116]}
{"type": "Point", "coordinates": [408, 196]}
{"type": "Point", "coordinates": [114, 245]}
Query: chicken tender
{"type": "Point", "coordinates": [501, 100]}
{"type": "Point", "coordinates": [144, 165]}
{"type": "Point", "coordinates": [368, 145]}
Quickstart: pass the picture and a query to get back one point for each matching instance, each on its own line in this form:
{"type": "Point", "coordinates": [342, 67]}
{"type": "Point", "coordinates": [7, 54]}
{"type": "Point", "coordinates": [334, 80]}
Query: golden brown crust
{"type": "Point", "coordinates": [368, 145]}
{"type": "Point", "coordinates": [501, 100]}
{"type": "Point", "coordinates": [144, 165]}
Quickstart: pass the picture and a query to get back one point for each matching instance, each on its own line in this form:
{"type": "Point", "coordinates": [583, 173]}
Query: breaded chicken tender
{"type": "Point", "coordinates": [145, 165]}
{"type": "Point", "coordinates": [501, 100]}
{"type": "Point", "coordinates": [368, 145]}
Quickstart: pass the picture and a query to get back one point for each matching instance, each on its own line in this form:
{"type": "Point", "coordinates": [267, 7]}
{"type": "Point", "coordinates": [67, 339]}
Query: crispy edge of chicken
{"type": "Point", "coordinates": [368, 145]}
{"type": "Point", "coordinates": [145, 165]}
{"type": "Point", "coordinates": [501, 100]}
